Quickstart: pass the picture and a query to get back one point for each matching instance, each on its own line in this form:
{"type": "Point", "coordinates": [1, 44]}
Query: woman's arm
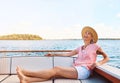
{"type": "Point", "coordinates": [72, 53]}
{"type": "Point", "coordinates": [104, 60]}
{"type": "Point", "coordinates": [105, 56]}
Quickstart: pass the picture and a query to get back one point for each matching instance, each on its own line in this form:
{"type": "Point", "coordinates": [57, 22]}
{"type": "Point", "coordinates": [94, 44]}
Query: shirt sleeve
{"type": "Point", "coordinates": [78, 49]}
{"type": "Point", "coordinates": [97, 47]}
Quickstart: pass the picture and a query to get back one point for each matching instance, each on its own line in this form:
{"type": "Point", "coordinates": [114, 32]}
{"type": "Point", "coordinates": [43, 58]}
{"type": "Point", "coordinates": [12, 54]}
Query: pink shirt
{"type": "Point", "coordinates": [87, 56]}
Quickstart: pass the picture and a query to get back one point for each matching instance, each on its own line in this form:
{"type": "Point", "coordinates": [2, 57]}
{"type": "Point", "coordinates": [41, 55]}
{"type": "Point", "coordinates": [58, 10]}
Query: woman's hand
{"type": "Point", "coordinates": [95, 65]}
{"type": "Point", "coordinates": [49, 54]}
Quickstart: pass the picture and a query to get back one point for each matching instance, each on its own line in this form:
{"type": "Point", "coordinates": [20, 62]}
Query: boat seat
{"type": "Point", "coordinates": [96, 78]}
{"type": "Point", "coordinates": [14, 79]}
{"type": "Point", "coordinates": [93, 79]}
{"type": "Point", "coordinates": [40, 63]}
{"type": "Point", "coordinates": [2, 77]}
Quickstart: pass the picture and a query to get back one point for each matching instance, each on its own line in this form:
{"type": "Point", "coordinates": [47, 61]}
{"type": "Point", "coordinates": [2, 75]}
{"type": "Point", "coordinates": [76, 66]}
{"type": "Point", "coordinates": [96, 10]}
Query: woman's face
{"type": "Point", "coordinates": [87, 36]}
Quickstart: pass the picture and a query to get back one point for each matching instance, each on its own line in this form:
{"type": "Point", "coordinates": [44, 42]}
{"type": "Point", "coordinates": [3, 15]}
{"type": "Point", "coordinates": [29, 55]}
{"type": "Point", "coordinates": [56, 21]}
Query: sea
{"type": "Point", "coordinates": [111, 47]}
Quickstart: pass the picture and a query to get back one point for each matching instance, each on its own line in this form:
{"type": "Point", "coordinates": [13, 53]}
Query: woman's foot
{"type": "Point", "coordinates": [21, 76]}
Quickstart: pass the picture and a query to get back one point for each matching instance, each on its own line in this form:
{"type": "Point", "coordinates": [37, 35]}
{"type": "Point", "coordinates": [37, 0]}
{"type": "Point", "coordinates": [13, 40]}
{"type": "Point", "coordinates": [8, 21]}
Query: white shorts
{"type": "Point", "coordinates": [83, 72]}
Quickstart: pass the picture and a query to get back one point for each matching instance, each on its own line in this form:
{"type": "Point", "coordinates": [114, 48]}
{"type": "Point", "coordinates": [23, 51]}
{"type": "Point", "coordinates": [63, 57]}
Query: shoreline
{"type": "Point", "coordinates": [81, 39]}
{"type": "Point", "coordinates": [65, 39]}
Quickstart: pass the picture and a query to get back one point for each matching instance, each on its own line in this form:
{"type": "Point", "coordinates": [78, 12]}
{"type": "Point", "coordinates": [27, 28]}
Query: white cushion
{"type": "Point", "coordinates": [31, 63]}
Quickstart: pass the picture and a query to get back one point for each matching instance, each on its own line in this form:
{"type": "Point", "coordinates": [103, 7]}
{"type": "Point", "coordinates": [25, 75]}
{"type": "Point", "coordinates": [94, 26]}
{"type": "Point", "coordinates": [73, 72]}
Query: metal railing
{"type": "Point", "coordinates": [1, 51]}
{"type": "Point", "coordinates": [9, 53]}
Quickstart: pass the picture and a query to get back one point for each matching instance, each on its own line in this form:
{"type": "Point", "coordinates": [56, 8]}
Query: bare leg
{"type": "Point", "coordinates": [30, 76]}
{"type": "Point", "coordinates": [66, 72]}
{"type": "Point", "coordinates": [27, 79]}
{"type": "Point", "coordinates": [45, 74]}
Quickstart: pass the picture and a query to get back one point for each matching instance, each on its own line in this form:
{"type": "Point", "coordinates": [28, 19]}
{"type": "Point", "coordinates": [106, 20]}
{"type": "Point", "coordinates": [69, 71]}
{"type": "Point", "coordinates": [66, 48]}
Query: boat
{"type": "Point", "coordinates": [101, 74]}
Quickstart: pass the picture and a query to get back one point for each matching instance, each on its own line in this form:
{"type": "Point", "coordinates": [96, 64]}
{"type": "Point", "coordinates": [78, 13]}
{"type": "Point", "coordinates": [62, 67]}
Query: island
{"type": "Point", "coordinates": [20, 37]}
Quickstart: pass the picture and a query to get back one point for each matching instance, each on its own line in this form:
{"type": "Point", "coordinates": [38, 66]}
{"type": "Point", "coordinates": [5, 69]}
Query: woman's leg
{"type": "Point", "coordinates": [27, 79]}
{"type": "Point", "coordinates": [66, 72]}
{"type": "Point", "coordinates": [45, 74]}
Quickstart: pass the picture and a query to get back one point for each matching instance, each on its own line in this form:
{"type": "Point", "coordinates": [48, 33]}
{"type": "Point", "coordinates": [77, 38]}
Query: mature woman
{"type": "Point", "coordinates": [81, 69]}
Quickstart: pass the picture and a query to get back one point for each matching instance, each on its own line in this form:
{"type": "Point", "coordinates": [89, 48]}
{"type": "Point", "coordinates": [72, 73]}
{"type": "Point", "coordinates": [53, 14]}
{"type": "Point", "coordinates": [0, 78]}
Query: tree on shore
{"type": "Point", "coordinates": [20, 37]}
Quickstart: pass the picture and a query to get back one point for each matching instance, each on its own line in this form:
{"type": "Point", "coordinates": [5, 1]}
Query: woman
{"type": "Point", "coordinates": [81, 69]}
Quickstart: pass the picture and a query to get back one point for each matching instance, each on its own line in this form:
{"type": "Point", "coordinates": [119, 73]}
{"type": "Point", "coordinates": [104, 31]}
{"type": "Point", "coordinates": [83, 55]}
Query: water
{"type": "Point", "coordinates": [111, 47]}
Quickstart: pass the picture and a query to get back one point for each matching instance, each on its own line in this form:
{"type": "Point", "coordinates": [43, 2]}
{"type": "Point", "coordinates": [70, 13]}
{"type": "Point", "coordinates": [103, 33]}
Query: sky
{"type": "Point", "coordinates": [60, 19]}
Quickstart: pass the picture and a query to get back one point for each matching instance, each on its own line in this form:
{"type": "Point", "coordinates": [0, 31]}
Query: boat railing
{"type": "Point", "coordinates": [1, 51]}
{"type": "Point", "coordinates": [4, 53]}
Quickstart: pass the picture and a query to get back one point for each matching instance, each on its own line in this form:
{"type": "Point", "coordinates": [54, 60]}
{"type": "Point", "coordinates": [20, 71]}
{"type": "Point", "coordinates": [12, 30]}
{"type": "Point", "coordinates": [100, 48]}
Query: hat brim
{"type": "Point", "coordinates": [92, 31]}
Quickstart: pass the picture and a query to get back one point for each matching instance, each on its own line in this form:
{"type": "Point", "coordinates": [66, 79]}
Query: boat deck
{"type": "Point", "coordinates": [14, 79]}
{"type": "Point", "coordinates": [102, 74]}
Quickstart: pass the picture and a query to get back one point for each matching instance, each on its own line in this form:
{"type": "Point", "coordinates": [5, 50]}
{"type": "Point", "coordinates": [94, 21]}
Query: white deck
{"type": "Point", "coordinates": [39, 63]}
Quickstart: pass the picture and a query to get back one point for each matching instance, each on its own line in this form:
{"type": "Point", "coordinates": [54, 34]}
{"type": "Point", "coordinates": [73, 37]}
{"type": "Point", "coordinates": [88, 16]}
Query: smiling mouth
{"type": "Point", "coordinates": [85, 37]}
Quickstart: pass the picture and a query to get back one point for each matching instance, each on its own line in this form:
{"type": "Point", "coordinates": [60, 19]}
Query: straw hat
{"type": "Point", "coordinates": [92, 31]}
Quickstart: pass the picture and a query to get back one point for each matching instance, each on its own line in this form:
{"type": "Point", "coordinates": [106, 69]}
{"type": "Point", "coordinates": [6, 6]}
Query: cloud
{"type": "Point", "coordinates": [118, 15]}
{"type": "Point", "coordinates": [73, 32]}
{"type": "Point", "coordinates": [18, 27]}
{"type": "Point", "coordinates": [105, 31]}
